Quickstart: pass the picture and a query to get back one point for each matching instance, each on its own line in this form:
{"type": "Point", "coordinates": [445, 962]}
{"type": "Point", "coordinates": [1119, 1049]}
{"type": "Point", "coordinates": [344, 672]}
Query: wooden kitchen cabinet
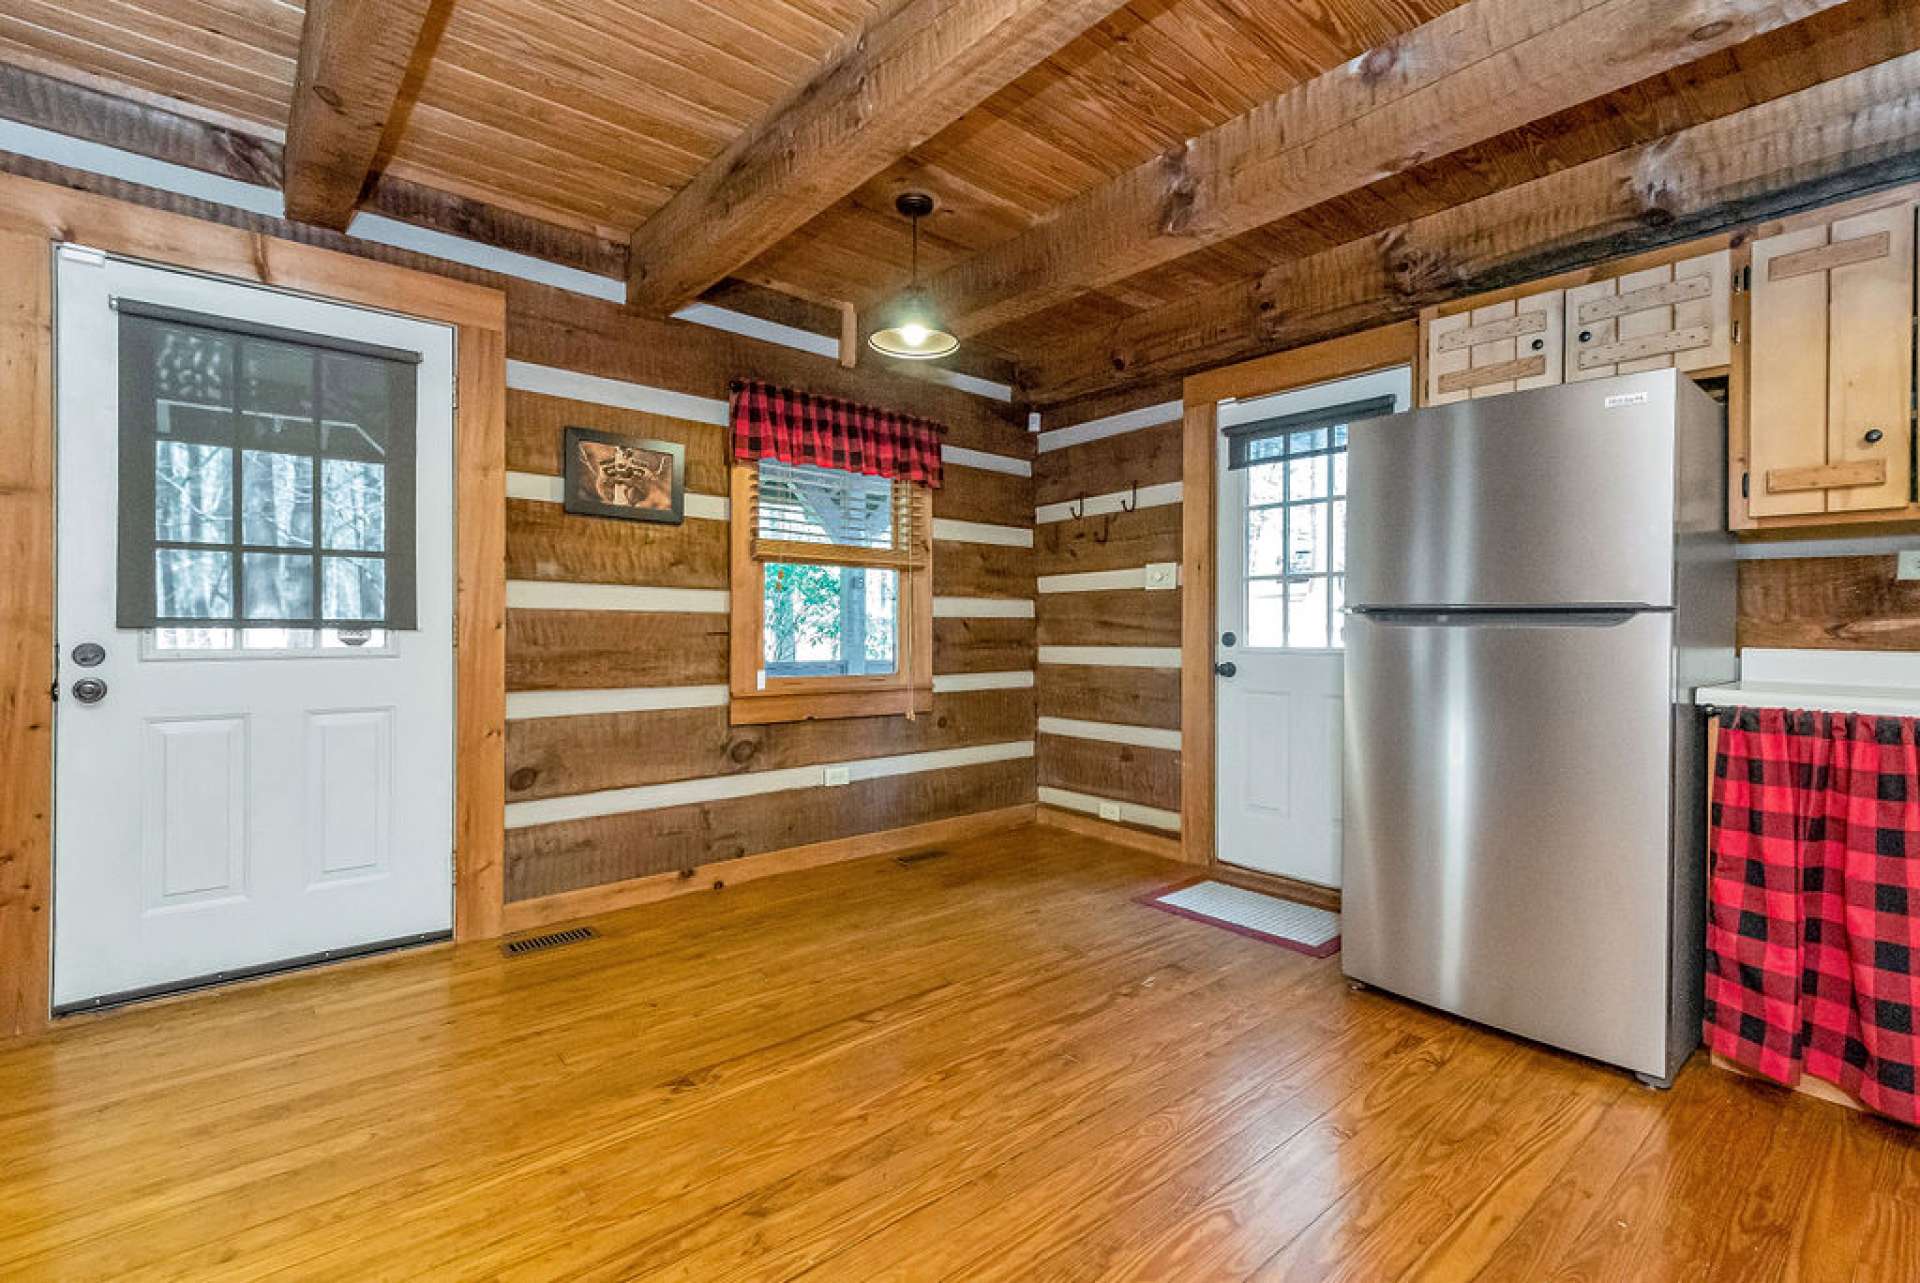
{"type": "Point", "coordinates": [1829, 368]}
{"type": "Point", "coordinates": [1675, 315]}
{"type": "Point", "coordinates": [1508, 346]}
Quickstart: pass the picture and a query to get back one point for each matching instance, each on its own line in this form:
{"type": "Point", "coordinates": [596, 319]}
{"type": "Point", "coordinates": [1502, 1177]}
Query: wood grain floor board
{"type": "Point", "coordinates": [989, 1065]}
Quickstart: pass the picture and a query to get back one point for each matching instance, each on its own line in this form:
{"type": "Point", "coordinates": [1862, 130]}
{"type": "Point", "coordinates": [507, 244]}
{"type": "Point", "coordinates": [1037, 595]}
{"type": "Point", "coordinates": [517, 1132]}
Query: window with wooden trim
{"type": "Point", "coordinates": [832, 593]}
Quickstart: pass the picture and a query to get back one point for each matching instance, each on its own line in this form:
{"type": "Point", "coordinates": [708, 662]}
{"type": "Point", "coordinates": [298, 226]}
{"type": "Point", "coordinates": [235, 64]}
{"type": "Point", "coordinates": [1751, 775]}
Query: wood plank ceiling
{"type": "Point", "coordinates": [592, 114]}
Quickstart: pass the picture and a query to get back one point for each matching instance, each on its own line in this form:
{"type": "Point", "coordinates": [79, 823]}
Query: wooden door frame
{"type": "Point", "coordinates": [1340, 358]}
{"type": "Point", "coordinates": [34, 218]}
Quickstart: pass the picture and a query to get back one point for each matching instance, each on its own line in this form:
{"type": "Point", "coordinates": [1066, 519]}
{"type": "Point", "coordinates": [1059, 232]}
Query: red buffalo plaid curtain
{"type": "Point", "coordinates": [1816, 863]}
{"type": "Point", "coordinates": [798, 427]}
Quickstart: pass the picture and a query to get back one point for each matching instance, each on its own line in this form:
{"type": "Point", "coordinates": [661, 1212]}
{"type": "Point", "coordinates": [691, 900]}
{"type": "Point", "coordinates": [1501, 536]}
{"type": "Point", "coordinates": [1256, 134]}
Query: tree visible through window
{"type": "Point", "coordinates": [822, 619]}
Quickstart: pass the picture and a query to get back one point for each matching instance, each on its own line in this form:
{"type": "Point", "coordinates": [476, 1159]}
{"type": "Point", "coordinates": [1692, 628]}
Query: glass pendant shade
{"type": "Point", "coordinates": [911, 332]}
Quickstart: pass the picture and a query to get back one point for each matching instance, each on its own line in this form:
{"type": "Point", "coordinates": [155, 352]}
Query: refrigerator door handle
{"type": "Point", "coordinates": [1596, 617]}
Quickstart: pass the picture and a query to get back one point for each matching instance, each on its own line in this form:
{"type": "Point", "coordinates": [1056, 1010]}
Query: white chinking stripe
{"type": "Point", "coordinates": [951, 531]}
{"type": "Point", "coordinates": [551, 380]}
{"type": "Point", "coordinates": [527, 705]}
{"type": "Point", "coordinates": [983, 608]}
{"type": "Point", "coordinates": [955, 683]}
{"type": "Point", "coordinates": [966, 458]}
{"type": "Point", "coordinates": [1099, 505]}
{"type": "Point", "coordinates": [540, 594]}
{"type": "Point", "coordinates": [1151, 416]}
{"type": "Point", "coordinates": [544, 489]}
{"type": "Point", "coordinates": [1113, 656]}
{"type": "Point", "coordinates": [1130, 812]}
{"type": "Point", "coordinates": [1110, 732]}
{"type": "Point", "coordinates": [1094, 580]}
{"type": "Point", "coordinates": [113, 162]}
{"type": "Point", "coordinates": [652, 797]}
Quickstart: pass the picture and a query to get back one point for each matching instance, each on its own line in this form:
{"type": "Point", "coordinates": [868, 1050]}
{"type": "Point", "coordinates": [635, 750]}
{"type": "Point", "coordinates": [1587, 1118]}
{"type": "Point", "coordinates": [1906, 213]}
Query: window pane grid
{"type": "Point", "coordinates": [1295, 591]}
{"type": "Point", "coordinates": [275, 465]}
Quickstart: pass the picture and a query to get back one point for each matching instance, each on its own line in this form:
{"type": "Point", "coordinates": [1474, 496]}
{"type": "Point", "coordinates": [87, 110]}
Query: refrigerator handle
{"type": "Point", "coordinates": [1596, 617]}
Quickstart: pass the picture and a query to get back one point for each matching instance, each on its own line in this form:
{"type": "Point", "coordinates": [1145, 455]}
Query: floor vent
{"type": "Point", "coordinates": [551, 940]}
{"type": "Point", "coordinates": [917, 857]}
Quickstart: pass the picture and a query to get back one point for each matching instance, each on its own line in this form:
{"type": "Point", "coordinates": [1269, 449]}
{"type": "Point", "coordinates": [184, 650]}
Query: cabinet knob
{"type": "Point", "coordinates": [1875, 436]}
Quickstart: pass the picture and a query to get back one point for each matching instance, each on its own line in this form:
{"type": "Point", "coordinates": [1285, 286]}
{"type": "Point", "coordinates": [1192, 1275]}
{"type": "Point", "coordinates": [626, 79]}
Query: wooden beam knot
{"type": "Point", "coordinates": [1183, 189]}
{"type": "Point", "coordinates": [1377, 62]}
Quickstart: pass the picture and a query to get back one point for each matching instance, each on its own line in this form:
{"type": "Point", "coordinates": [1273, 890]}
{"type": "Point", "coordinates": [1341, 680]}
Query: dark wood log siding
{"type": "Point", "coordinates": [1121, 617]}
{"type": "Point", "coordinates": [1109, 541]}
{"type": "Point", "coordinates": [1126, 772]}
{"type": "Point", "coordinates": [981, 570]}
{"type": "Point", "coordinates": [544, 541]}
{"type": "Point", "coordinates": [1149, 456]}
{"type": "Point", "coordinates": [983, 495]}
{"type": "Point", "coordinates": [983, 645]}
{"type": "Point", "coordinates": [608, 649]}
{"type": "Point", "coordinates": [1828, 603]}
{"type": "Point", "coordinates": [536, 424]}
{"type": "Point", "coordinates": [561, 756]}
{"type": "Point", "coordinates": [550, 858]}
{"type": "Point", "coordinates": [1129, 696]}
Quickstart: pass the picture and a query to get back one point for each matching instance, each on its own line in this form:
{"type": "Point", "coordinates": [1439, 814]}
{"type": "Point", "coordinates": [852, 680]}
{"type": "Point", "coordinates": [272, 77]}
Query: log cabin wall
{"type": "Point", "coordinates": [620, 760]}
{"type": "Point", "coordinates": [1851, 600]}
{"type": "Point", "coordinates": [1108, 491]}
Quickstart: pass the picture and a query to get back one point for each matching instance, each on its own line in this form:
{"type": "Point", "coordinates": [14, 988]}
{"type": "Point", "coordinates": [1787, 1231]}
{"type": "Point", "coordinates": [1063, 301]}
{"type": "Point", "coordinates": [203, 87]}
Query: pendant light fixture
{"type": "Point", "coordinates": [910, 330]}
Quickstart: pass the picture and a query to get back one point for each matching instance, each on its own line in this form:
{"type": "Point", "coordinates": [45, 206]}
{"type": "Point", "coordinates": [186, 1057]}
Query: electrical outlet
{"type": "Point", "coordinates": [835, 776]}
{"type": "Point", "coordinates": [1163, 575]}
{"type": "Point", "coordinates": [1910, 564]}
{"type": "Point", "coordinates": [1109, 810]}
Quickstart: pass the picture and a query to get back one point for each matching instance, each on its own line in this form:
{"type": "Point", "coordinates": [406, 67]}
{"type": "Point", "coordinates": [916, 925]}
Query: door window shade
{"type": "Point", "coordinates": [1294, 435]}
{"type": "Point", "coordinates": [266, 476]}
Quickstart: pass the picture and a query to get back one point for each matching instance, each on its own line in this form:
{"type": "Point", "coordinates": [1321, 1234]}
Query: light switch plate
{"type": "Point", "coordinates": [1910, 564]}
{"type": "Point", "coordinates": [1109, 810]}
{"type": "Point", "coordinates": [1163, 575]}
{"type": "Point", "coordinates": [835, 776]}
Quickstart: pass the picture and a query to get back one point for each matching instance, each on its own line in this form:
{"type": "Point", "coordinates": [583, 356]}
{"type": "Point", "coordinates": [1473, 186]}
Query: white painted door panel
{"type": "Point", "coordinates": [1280, 717]}
{"type": "Point", "coordinates": [229, 810]}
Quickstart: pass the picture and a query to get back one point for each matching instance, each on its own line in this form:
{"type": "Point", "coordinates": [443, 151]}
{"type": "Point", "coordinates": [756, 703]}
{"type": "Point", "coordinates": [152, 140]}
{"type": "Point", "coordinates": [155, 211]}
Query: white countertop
{"type": "Point", "coordinates": [1885, 683]}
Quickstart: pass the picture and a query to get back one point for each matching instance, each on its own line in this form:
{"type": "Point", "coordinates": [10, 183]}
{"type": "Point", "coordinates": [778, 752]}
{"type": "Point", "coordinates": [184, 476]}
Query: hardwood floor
{"type": "Point", "coordinates": [991, 1065]}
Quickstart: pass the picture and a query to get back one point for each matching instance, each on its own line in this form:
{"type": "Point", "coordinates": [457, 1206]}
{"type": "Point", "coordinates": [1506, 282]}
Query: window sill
{"type": "Point", "coordinates": [762, 708]}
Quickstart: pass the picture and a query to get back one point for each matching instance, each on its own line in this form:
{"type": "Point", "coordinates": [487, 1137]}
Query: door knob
{"type": "Point", "coordinates": [1227, 669]}
{"type": "Point", "coordinates": [1875, 436]}
{"type": "Point", "coordinates": [89, 690]}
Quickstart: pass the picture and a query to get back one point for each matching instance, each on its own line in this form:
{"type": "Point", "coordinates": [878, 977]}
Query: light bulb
{"type": "Point", "coordinates": [914, 334]}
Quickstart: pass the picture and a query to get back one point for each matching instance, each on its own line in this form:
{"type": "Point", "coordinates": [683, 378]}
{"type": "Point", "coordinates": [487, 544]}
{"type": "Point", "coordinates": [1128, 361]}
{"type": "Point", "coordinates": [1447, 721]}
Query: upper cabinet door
{"type": "Point", "coordinates": [1831, 367]}
{"type": "Point", "coordinates": [1674, 316]}
{"type": "Point", "coordinates": [1504, 347]}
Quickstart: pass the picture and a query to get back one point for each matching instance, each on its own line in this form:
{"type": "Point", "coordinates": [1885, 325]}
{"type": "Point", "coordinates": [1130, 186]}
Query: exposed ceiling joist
{"type": "Point", "coordinates": [911, 77]}
{"type": "Point", "coordinates": [1824, 143]}
{"type": "Point", "coordinates": [355, 59]}
{"type": "Point", "coordinates": [1478, 71]}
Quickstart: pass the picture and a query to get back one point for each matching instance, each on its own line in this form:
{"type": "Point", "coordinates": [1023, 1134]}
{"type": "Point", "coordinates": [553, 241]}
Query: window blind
{"type": "Point", "coordinates": [822, 516]}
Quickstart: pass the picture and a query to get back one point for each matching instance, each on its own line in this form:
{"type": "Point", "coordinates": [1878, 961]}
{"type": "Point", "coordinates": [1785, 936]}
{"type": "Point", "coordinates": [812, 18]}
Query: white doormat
{"type": "Point", "coordinates": [1300, 927]}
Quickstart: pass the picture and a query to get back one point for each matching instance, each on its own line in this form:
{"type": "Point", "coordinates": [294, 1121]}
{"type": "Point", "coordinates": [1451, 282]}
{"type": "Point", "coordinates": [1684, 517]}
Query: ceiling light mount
{"type": "Point", "coordinates": [910, 330]}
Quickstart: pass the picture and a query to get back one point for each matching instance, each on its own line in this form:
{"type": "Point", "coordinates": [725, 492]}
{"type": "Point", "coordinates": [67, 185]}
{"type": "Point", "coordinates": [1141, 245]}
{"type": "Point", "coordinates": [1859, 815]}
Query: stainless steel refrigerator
{"type": "Point", "coordinates": [1536, 584]}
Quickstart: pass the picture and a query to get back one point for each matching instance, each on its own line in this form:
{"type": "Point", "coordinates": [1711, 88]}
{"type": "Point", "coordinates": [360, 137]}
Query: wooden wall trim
{"type": "Point", "coordinates": [1054, 817]}
{"type": "Point", "coordinates": [26, 632]}
{"type": "Point", "coordinates": [566, 906]}
{"type": "Point", "coordinates": [34, 216]}
{"type": "Point", "coordinates": [1340, 358]}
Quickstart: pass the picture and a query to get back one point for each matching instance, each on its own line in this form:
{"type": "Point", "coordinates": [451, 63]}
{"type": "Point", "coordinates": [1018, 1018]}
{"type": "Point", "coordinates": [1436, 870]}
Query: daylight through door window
{"type": "Point", "coordinates": [267, 479]}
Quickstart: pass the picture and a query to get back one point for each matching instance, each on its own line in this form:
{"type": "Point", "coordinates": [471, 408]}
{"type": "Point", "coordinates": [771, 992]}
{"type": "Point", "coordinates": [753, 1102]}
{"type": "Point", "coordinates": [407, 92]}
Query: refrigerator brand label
{"type": "Point", "coordinates": [1626, 398]}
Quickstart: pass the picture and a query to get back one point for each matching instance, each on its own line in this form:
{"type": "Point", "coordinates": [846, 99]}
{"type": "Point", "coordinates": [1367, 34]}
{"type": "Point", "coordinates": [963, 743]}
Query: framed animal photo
{"type": "Point", "coordinates": [609, 475]}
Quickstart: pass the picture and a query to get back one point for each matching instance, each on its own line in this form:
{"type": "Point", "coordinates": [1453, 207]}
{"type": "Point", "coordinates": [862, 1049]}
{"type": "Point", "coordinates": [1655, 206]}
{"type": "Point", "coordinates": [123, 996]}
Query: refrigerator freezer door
{"type": "Point", "coordinates": [1553, 497]}
{"type": "Point", "coordinates": [1507, 823]}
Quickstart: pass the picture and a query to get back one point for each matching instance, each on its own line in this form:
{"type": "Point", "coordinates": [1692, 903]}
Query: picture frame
{"type": "Point", "coordinates": [608, 474]}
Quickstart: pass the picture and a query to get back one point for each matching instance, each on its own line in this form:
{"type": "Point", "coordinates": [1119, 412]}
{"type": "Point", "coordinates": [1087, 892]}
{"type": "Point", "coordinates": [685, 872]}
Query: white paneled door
{"type": "Point", "coordinates": [1279, 663]}
{"type": "Point", "coordinates": [230, 797]}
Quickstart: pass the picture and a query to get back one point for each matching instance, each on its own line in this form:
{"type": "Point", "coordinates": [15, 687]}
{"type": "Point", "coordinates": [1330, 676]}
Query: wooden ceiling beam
{"type": "Point", "coordinates": [1834, 140]}
{"type": "Point", "coordinates": [903, 82]}
{"type": "Point", "coordinates": [1476, 72]}
{"type": "Point", "coordinates": [356, 57]}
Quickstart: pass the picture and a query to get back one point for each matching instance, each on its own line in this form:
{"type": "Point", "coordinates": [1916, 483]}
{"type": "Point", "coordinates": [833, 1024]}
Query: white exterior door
{"type": "Point", "coordinates": [1282, 562]}
{"type": "Point", "coordinates": [236, 798]}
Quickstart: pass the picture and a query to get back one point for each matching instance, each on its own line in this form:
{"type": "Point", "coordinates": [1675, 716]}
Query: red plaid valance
{"type": "Point", "coordinates": [1813, 928]}
{"type": "Point", "coordinates": [798, 427]}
